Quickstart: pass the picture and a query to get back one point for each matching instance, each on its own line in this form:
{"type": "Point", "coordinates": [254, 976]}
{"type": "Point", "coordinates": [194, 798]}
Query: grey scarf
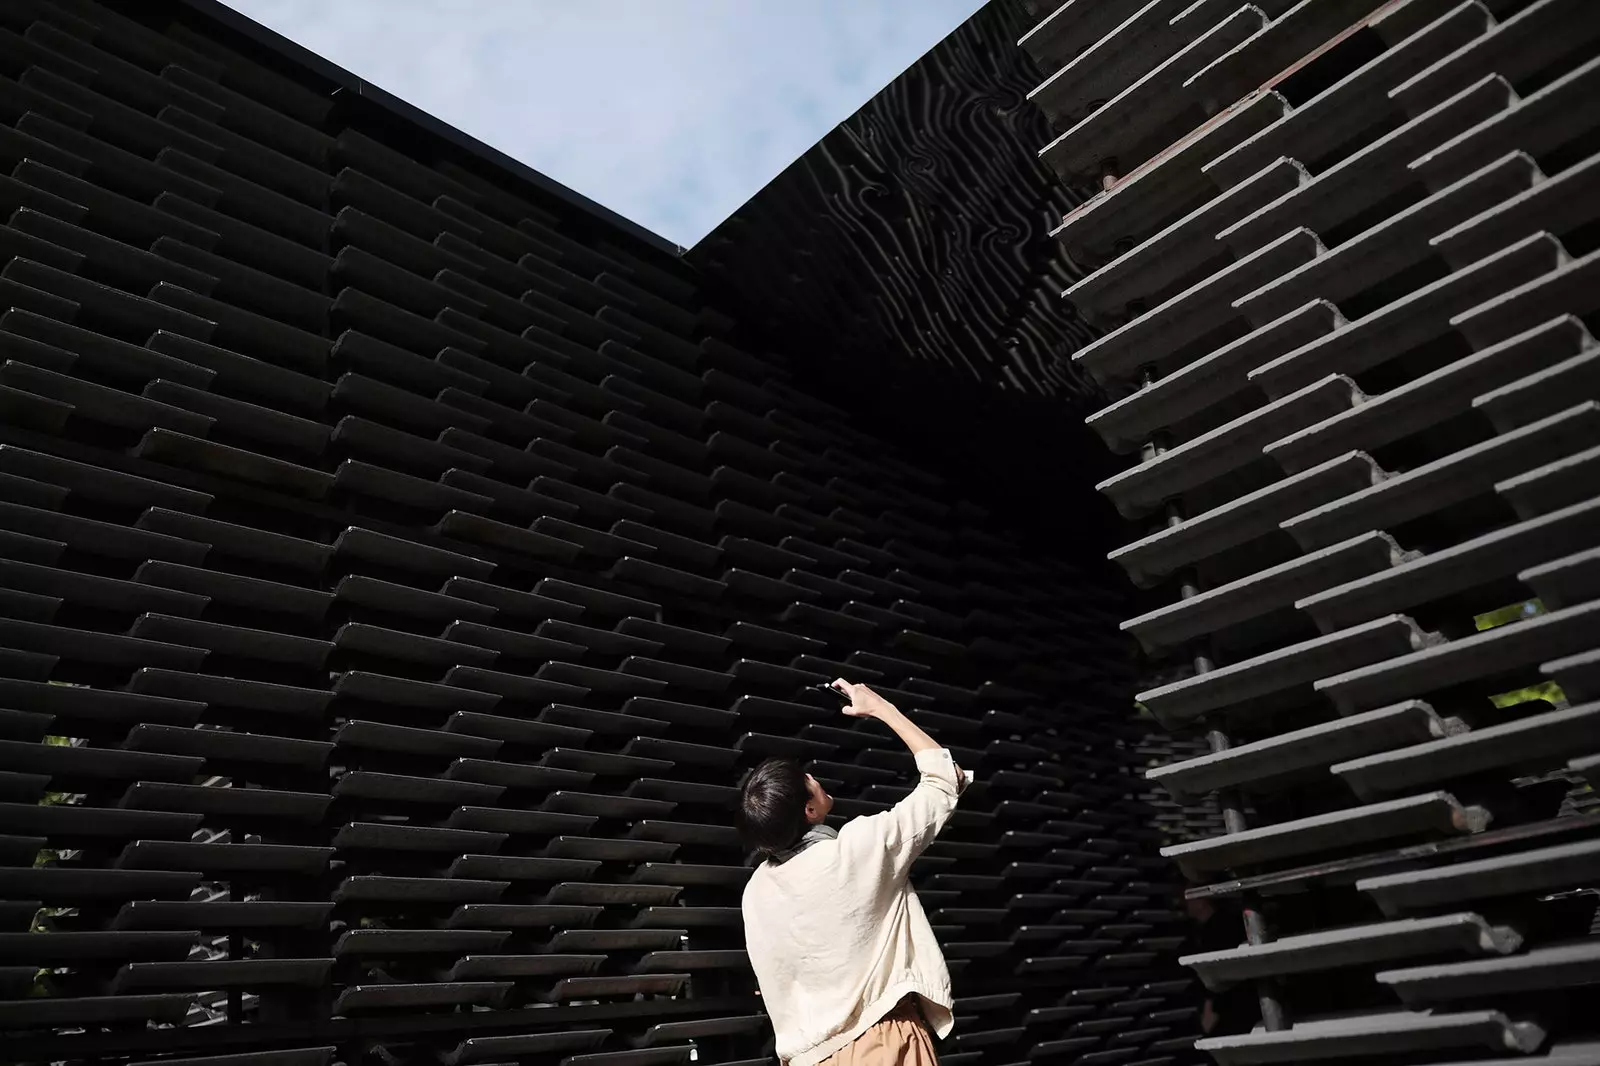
{"type": "Point", "coordinates": [812, 836]}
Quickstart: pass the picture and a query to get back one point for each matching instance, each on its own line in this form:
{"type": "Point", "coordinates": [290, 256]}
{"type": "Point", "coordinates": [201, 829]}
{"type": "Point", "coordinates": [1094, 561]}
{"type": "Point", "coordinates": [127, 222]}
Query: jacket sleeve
{"type": "Point", "coordinates": [892, 840]}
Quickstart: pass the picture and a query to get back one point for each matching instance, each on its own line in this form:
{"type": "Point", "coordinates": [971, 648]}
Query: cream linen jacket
{"type": "Point", "coordinates": [836, 935]}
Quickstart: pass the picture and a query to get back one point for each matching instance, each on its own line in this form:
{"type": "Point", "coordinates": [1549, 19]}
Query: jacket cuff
{"type": "Point", "coordinates": [940, 763]}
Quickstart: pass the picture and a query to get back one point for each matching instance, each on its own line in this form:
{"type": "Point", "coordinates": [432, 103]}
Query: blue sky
{"type": "Point", "coordinates": [670, 112]}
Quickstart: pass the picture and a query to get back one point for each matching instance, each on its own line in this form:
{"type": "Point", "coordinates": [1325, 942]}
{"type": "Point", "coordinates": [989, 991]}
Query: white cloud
{"type": "Point", "coordinates": [669, 112]}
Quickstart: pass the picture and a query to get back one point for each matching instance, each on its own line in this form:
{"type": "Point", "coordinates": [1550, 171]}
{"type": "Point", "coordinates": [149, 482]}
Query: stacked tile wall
{"type": "Point", "coordinates": [1344, 260]}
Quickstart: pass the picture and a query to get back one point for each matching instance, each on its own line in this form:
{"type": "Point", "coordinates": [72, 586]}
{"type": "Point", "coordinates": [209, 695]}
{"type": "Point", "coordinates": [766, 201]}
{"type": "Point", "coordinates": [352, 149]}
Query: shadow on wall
{"type": "Point", "coordinates": [904, 265]}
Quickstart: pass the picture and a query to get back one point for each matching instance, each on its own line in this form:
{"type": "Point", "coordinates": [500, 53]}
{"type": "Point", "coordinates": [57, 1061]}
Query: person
{"type": "Point", "coordinates": [845, 959]}
{"type": "Point", "coordinates": [1234, 1010]}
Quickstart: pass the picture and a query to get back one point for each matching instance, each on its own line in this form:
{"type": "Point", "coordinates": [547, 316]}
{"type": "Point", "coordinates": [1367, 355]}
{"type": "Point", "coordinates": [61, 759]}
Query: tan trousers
{"type": "Point", "coordinates": [900, 1039]}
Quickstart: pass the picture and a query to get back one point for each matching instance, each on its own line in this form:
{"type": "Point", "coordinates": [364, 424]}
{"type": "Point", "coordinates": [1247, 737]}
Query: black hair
{"type": "Point", "coordinates": [772, 806]}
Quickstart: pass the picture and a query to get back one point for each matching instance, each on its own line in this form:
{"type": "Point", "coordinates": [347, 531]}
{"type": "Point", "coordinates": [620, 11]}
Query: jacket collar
{"type": "Point", "coordinates": [812, 835]}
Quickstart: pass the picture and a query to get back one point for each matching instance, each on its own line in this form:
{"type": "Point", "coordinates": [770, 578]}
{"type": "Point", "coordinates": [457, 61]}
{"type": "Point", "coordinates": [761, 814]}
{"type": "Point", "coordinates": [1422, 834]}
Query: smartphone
{"type": "Point", "coordinates": [830, 690]}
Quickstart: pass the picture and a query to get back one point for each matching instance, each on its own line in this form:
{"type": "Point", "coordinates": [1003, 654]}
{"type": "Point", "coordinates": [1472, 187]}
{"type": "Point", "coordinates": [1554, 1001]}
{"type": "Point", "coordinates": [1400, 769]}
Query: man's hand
{"type": "Point", "coordinates": [864, 703]}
